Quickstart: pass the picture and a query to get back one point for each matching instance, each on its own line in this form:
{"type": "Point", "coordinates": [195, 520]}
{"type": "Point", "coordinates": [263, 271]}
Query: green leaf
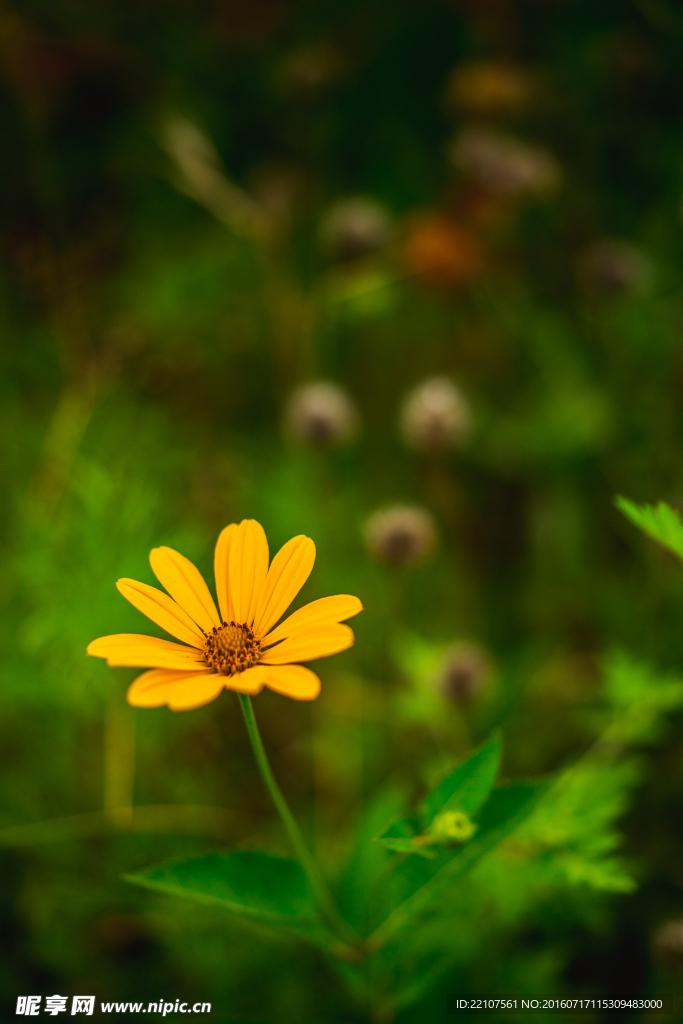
{"type": "Point", "coordinates": [660, 522]}
{"type": "Point", "coordinates": [640, 699]}
{"type": "Point", "coordinates": [468, 785]}
{"type": "Point", "coordinates": [463, 791]}
{"type": "Point", "coordinates": [256, 885]}
{"type": "Point", "coordinates": [414, 883]}
{"type": "Point", "coordinates": [574, 828]}
{"type": "Point", "coordinates": [401, 837]}
{"type": "Point", "coordinates": [368, 859]}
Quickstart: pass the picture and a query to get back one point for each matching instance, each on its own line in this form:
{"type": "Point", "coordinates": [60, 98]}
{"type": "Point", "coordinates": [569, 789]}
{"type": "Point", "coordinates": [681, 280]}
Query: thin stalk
{"type": "Point", "coordinates": [315, 877]}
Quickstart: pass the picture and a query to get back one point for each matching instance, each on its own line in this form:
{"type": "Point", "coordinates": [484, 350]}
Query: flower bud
{"type": "Point", "coordinates": [465, 671]}
{"type": "Point", "coordinates": [610, 268]}
{"type": "Point", "coordinates": [320, 413]}
{"type": "Point", "coordinates": [401, 534]}
{"type": "Point", "coordinates": [435, 416]}
{"type": "Point", "coordinates": [502, 165]}
{"type": "Point", "coordinates": [355, 227]}
{"type": "Point", "coordinates": [453, 826]}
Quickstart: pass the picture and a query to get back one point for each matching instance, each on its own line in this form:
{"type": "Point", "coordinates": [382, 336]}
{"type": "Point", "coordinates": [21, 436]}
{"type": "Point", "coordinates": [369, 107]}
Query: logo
{"type": "Point", "coordinates": [29, 1006]}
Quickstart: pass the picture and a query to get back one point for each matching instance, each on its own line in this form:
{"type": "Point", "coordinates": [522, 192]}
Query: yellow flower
{"type": "Point", "coordinates": [241, 649]}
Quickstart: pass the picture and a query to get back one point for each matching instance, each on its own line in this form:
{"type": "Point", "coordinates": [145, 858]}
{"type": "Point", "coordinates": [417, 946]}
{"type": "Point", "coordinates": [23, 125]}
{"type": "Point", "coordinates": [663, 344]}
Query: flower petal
{"type": "Point", "coordinates": [288, 572]}
{"type": "Point", "coordinates": [162, 609]}
{"type": "Point", "coordinates": [314, 643]}
{"type": "Point", "coordinates": [162, 686]}
{"type": "Point", "coordinates": [251, 681]}
{"type": "Point", "coordinates": [327, 611]}
{"type": "Point", "coordinates": [220, 567]}
{"type": "Point", "coordinates": [293, 681]}
{"type": "Point", "coordinates": [247, 569]}
{"type": "Point", "coordinates": [186, 585]}
{"type": "Point", "coordinates": [134, 650]}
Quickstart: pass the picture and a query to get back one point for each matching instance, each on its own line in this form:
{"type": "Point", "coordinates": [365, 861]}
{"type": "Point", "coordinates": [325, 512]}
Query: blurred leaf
{"type": "Point", "coordinates": [415, 882]}
{"type": "Point", "coordinates": [640, 698]}
{"type": "Point", "coordinates": [463, 790]}
{"type": "Point", "coordinates": [660, 522]}
{"type": "Point", "coordinates": [575, 824]}
{"type": "Point", "coordinates": [401, 836]}
{"type": "Point", "coordinates": [468, 785]}
{"type": "Point", "coordinates": [272, 890]}
{"type": "Point", "coordinates": [367, 859]}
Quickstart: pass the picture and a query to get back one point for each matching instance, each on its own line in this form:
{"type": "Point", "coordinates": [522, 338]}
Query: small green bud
{"type": "Point", "coordinates": [451, 825]}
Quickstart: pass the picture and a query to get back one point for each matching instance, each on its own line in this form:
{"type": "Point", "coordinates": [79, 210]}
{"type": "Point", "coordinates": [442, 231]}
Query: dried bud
{"type": "Point", "coordinates": [489, 87]}
{"type": "Point", "coordinates": [435, 416]}
{"type": "Point", "coordinates": [352, 228]}
{"type": "Point", "coordinates": [442, 253]}
{"type": "Point", "coordinates": [401, 534]}
{"type": "Point", "coordinates": [504, 166]}
{"type": "Point", "coordinates": [465, 671]}
{"type": "Point", "coordinates": [320, 413]}
{"type": "Point", "coordinates": [611, 268]}
{"type": "Point", "coordinates": [668, 939]}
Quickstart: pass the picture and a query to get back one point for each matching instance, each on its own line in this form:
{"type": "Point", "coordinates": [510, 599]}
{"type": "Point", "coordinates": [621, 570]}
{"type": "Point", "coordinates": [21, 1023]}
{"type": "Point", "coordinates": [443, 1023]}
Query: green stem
{"type": "Point", "coordinates": [315, 877]}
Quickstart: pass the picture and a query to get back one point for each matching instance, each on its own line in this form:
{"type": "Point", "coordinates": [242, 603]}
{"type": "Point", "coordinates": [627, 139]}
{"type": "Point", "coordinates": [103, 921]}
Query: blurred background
{"type": "Point", "coordinates": [406, 277]}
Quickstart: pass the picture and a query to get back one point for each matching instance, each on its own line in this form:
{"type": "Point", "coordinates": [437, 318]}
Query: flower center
{"type": "Point", "coordinates": [231, 648]}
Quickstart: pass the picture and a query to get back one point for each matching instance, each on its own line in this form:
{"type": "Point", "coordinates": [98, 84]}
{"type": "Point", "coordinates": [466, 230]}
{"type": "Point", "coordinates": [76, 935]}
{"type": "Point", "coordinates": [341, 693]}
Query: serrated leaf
{"type": "Point", "coordinates": [468, 785]}
{"type": "Point", "coordinates": [660, 522]}
{"type": "Point", "coordinates": [640, 698]}
{"type": "Point", "coordinates": [256, 885]}
{"type": "Point", "coordinates": [607, 874]}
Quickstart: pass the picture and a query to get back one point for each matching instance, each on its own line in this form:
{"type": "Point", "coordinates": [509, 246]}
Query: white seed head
{"type": "Point", "coordinates": [464, 672]}
{"type": "Point", "coordinates": [503, 165]}
{"type": "Point", "coordinates": [435, 416]}
{"type": "Point", "coordinates": [610, 268]}
{"type": "Point", "coordinates": [355, 227]}
{"type": "Point", "coordinates": [321, 413]}
{"type": "Point", "coordinates": [401, 534]}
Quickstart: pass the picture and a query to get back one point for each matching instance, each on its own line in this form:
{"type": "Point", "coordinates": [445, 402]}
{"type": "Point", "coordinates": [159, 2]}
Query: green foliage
{"type": "Point", "coordinates": [404, 835]}
{"type": "Point", "coordinates": [660, 522]}
{"type": "Point", "coordinates": [467, 786]}
{"type": "Point", "coordinates": [413, 883]}
{"type": "Point", "coordinates": [465, 789]}
{"type": "Point", "coordinates": [269, 890]}
{"type": "Point", "coordinates": [253, 884]}
{"type": "Point", "coordinates": [639, 699]}
{"type": "Point", "coordinates": [576, 825]}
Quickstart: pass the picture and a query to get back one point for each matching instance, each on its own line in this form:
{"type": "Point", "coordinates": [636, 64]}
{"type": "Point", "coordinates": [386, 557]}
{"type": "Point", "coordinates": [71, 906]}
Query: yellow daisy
{"type": "Point", "coordinates": [241, 648]}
